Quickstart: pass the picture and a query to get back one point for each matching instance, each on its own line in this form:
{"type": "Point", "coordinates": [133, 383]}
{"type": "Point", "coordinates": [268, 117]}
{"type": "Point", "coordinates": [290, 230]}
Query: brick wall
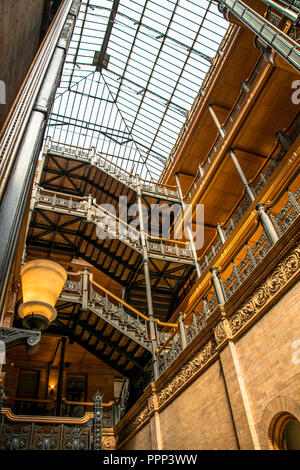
{"type": "Point", "coordinates": [140, 441]}
{"type": "Point", "coordinates": [265, 355]}
{"type": "Point", "coordinates": [233, 403]}
{"type": "Point", "coordinates": [200, 417]}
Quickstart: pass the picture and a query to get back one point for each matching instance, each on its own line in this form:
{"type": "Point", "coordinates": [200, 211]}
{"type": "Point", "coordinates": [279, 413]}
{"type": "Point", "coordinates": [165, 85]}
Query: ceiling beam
{"type": "Point", "coordinates": [112, 344]}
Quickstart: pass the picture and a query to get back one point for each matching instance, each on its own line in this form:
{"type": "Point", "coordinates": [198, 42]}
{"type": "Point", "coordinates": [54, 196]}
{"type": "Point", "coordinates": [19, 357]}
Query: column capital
{"type": "Point", "coordinates": [260, 207]}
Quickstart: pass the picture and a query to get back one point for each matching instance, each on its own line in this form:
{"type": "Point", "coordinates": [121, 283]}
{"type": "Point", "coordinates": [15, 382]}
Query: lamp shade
{"type": "Point", "coordinates": [42, 282]}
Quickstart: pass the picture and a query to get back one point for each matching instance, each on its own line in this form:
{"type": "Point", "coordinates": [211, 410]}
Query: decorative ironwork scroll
{"type": "Point", "coordinates": [97, 438]}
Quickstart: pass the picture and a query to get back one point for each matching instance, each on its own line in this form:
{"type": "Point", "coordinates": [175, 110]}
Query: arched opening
{"type": "Point", "coordinates": [286, 435]}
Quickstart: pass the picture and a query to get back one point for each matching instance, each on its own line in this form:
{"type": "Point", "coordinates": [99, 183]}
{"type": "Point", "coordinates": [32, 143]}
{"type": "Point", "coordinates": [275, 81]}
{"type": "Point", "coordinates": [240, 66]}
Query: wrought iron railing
{"type": "Point", "coordinates": [285, 140]}
{"type": "Point", "coordinates": [122, 402]}
{"type": "Point", "coordinates": [82, 288]}
{"type": "Point", "coordinates": [109, 225]}
{"type": "Point", "coordinates": [33, 407]}
{"type": "Point", "coordinates": [21, 432]}
{"type": "Point", "coordinates": [283, 212]}
{"type": "Point", "coordinates": [90, 155]}
{"type": "Point", "coordinates": [283, 217]}
{"type": "Point", "coordinates": [117, 312]}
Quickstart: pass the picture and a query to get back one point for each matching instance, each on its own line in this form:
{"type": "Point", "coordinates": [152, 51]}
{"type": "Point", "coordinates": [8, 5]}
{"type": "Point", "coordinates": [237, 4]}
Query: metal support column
{"type": "Point", "coordinates": [85, 289]}
{"type": "Point", "coordinates": [147, 282]}
{"type": "Point", "coordinates": [182, 330]}
{"type": "Point", "coordinates": [22, 139]}
{"type": "Point", "coordinates": [190, 235]}
{"type": "Point", "coordinates": [61, 376]}
{"type": "Point", "coordinates": [217, 286]}
{"type": "Point", "coordinates": [201, 171]}
{"type": "Point", "coordinates": [267, 225]}
{"type": "Point", "coordinates": [221, 234]}
{"type": "Point", "coordinates": [233, 157]}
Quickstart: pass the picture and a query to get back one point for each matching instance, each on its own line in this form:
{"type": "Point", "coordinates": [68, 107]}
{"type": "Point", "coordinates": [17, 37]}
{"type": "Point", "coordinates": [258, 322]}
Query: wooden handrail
{"type": "Point", "coordinates": [179, 242]}
{"type": "Point", "coordinates": [84, 199]}
{"type": "Point", "coordinates": [158, 351]}
{"type": "Point", "coordinates": [86, 403]}
{"type": "Point", "coordinates": [7, 412]}
{"type": "Point", "coordinates": [137, 312]}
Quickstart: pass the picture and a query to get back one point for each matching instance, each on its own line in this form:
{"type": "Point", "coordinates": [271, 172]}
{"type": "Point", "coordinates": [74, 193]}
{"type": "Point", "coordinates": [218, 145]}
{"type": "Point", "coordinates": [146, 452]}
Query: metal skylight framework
{"type": "Point", "coordinates": [132, 72]}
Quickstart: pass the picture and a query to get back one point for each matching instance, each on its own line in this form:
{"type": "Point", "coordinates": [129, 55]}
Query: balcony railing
{"type": "Point", "coordinates": [283, 212]}
{"type": "Point", "coordinates": [49, 432]}
{"type": "Point", "coordinates": [48, 407]}
{"type": "Point", "coordinates": [90, 155]}
{"type": "Point", "coordinates": [285, 140]}
{"type": "Point", "coordinates": [111, 225]}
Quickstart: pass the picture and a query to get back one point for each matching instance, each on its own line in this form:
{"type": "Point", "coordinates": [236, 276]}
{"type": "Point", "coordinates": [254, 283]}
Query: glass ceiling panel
{"type": "Point", "coordinates": [132, 72]}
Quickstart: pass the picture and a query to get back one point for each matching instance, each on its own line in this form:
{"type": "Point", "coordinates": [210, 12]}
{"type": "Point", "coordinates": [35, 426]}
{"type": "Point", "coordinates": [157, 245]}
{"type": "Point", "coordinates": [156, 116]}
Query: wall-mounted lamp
{"type": "Point", "coordinates": [42, 282]}
{"type": "Point", "coordinates": [52, 389]}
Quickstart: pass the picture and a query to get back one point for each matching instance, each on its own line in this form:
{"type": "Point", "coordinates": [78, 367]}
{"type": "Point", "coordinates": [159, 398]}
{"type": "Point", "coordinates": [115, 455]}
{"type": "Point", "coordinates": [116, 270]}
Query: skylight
{"type": "Point", "coordinates": [132, 72]}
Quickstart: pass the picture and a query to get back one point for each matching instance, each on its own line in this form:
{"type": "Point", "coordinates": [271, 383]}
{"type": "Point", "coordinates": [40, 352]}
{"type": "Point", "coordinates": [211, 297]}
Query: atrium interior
{"type": "Point", "coordinates": [149, 225]}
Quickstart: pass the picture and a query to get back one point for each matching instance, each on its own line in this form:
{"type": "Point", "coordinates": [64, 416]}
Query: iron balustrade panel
{"type": "Point", "coordinates": [257, 185]}
{"type": "Point", "coordinates": [90, 156]}
{"type": "Point", "coordinates": [66, 149]}
{"type": "Point", "coordinates": [288, 214]}
{"type": "Point", "coordinates": [284, 212]}
{"type": "Point", "coordinates": [122, 402]}
{"type": "Point", "coordinates": [33, 436]}
{"type": "Point", "coordinates": [249, 256]}
{"type": "Point", "coordinates": [55, 433]}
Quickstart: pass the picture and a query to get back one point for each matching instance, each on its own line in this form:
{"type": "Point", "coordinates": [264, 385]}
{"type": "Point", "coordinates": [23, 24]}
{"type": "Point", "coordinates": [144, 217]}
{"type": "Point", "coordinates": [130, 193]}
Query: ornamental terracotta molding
{"type": "Point", "coordinates": [267, 290]}
{"type": "Point", "coordinates": [152, 403]}
{"type": "Point", "coordinates": [156, 400]}
{"type": "Point", "coordinates": [222, 331]}
{"type": "Point", "coordinates": [134, 424]}
{"type": "Point", "coordinates": [108, 443]}
{"type": "Point", "coordinates": [159, 394]}
{"type": "Point", "coordinates": [187, 373]}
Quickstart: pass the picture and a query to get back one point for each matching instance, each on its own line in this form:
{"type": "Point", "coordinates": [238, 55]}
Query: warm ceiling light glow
{"type": "Point", "coordinates": [42, 283]}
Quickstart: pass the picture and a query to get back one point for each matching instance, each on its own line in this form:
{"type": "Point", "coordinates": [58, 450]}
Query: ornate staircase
{"type": "Point", "coordinates": [68, 217]}
{"type": "Point", "coordinates": [106, 325]}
